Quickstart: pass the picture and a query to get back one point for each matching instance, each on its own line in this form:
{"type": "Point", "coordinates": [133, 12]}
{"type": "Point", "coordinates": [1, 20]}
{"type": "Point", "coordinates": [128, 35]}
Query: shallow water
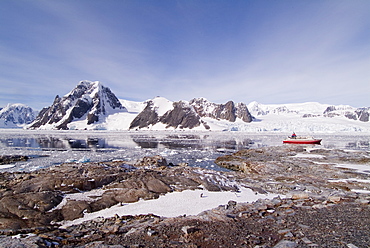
{"type": "Point", "coordinates": [48, 148]}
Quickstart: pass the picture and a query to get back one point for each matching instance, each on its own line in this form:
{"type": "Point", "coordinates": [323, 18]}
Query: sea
{"type": "Point", "coordinates": [46, 148]}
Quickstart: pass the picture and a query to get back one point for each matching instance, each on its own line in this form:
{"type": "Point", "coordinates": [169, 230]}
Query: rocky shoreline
{"type": "Point", "coordinates": [8, 159]}
{"type": "Point", "coordinates": [322, 204]}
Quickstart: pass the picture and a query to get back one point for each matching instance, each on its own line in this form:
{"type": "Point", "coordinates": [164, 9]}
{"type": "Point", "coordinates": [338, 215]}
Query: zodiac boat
{"type": "Point", "coordinates": [302, 140]}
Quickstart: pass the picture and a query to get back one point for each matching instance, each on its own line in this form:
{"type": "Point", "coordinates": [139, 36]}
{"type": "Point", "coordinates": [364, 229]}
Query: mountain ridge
{"type": "Point", "coordinates": [310, 109]}
{"type": "Point", "coordinates": [91, 105]}
{"type": "Point", "coordinates": [16, 115]}
{"type": "Point", "coordinates": [90, 101]}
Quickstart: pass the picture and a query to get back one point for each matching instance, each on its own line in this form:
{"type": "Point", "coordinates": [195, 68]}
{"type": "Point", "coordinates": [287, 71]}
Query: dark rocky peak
{"type": "Point", "coordinates": [146, 117]}
{"type": "Point", "coordinates": [101, 97]}
{"type": "Point", "coordinates": [243, 113]}
{"type": "Point", "coordinates": [172, 114]}
{"type": "Point", "coordinates": [181, 116]}
{"type": "Point", "coordinates": [363, 114]}
{"type": "Point", "coordinates": [329, 109]}
{"type": "Point", "coordinates": [89, 100]}
{"type": "Point", "coordinates": [202, 106]}
{"type": "Point", "coordinates": [332, 111]}
{"type": "Point", "coordinates": [228, 111]}
{"type": "Point", "coordinates": [351, 115]}
{"type": "Point", "coordinates": [154, 109]}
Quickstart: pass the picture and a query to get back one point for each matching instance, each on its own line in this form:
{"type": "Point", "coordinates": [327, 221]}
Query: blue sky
{"type": "Point", "coordinates": [265, 51]}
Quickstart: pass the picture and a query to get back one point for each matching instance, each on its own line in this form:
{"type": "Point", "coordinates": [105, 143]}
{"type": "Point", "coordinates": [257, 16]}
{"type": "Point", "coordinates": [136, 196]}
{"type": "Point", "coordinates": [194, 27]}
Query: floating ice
{"type": "Point", "coordinates": [48, 147]}
{"type": "Point", "coordinates": [6, 166]}
{"type": "Point", "coordinates": [361, 168]}
{"type": "Point", "coordinates": [307, 155]}
{"type": "Point", "coordinates": [84, 159]}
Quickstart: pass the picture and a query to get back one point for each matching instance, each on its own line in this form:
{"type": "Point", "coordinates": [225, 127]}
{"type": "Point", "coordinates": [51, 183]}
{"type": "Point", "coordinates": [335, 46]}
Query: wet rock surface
{"type": "Point", "coordinates": [324, 205]}
{"type": "Point", "coordinates": [8, 159]}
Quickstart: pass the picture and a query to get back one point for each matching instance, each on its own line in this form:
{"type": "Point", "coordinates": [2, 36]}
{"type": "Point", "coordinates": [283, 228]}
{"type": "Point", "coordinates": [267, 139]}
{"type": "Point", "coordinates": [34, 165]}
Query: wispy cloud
{"type": "Point", "coordinates": [268, 51]}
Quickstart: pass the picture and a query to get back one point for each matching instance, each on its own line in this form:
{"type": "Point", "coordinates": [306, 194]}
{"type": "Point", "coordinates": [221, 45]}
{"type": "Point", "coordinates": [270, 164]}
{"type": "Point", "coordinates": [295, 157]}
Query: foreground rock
{"type": "Point", "coordinates": [322, 207]}
{"type": "Point", "coordinates": [38, 199]}
{"type": "Point", "coordinates": [269, 223]}
{"type": "Point", "coordinates": [296, 169]}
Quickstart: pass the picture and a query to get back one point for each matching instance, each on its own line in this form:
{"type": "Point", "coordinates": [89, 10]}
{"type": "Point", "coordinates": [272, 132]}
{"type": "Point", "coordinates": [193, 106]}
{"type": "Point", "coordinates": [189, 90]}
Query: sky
{"type": "Point", "coordinates": [272, 52]}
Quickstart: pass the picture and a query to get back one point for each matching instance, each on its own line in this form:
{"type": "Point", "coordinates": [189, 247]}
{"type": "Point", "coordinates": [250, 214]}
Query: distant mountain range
{"type": "Point", "coordinates": [310, 109]}
{"type": "Point", "coordinates": [92, 106]}
{"type": "Point", "coordinates": [16, 115]}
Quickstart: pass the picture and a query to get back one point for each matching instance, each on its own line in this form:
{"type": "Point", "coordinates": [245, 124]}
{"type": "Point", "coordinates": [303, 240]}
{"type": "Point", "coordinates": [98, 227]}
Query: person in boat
{"type": "Point", "coordinates": [294, 136]}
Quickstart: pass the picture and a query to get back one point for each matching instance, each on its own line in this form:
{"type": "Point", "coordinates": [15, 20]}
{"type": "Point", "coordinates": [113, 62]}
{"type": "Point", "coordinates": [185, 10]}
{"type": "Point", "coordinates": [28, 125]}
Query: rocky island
{"type": "Point", "coordinates": [320, 200]}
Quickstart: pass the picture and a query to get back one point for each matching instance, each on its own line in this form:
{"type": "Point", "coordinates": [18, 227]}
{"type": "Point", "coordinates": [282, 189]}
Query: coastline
{"type": "Point", "coordinates": [312, 190]}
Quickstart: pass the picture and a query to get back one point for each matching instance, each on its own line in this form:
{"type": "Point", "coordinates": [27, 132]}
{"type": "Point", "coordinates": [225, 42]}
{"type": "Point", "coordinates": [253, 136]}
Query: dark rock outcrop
{"type": "Point", "coordinates": [228, 111]}
{"type": "Point", "coordinates": [329, 109]}
{"type": "Point", "coordinates": [189, 114]}
{"type": "Point", "coordinates": [146, 117]}
{"type": "Point", "coordinates": [182, 116]}
{"type": "Point", "coordinates": [350, 115]}
{"type": "Point", "coordinates": [363, 114]}
{"type": "Point", "coordinates": [243, 113]}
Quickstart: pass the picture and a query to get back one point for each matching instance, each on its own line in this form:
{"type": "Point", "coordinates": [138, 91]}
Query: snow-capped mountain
{"type": "Point", "coordinates": [16, 115]}
{"type": "Point", "coordinates": [228, 111]}
{"type": "Point", "coordinates": [310, 109]}
{"type": "Point", "coordinates": [160, 112]}
{"type": "Point", "coordinates": [89, 102]}
{"type": "Point", "coordinates": [199, 114]}
{"type": "Point", "coordinates": [361, 114]}
{"type": "Point", "coordinates": [307, 117]}
{"type": "Point", "coordinates": [92, 106]}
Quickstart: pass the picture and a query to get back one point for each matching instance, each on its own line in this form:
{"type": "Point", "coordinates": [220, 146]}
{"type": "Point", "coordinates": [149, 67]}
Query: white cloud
{"type": "Point", "coordinates": [309, 51]}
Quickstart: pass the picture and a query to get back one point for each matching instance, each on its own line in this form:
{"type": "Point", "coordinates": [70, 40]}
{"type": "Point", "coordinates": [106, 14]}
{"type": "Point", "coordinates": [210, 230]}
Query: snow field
{"type": "Point", "coordinates": [188, 202]}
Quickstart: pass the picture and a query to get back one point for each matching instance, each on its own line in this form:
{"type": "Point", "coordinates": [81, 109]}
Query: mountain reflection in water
{"type": "Point", "coordinates": [194, 148]}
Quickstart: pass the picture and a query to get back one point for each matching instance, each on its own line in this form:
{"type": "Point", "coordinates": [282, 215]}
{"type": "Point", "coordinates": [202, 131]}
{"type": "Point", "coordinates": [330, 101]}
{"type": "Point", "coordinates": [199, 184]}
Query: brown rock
{"type": "Point", "coordinates": [156, 161]}
{"type": "Point", "coordinates": [107, 200]}
{"type": "Point", "coordinates": [74, 209]}
{"type": "Point", "coordinates": [12, 223]}
{"type": "Point", "coordinates": [157, 186]}
{"type": "Point", "coordinates": [334, 199]}
{"type": "Point", "coordinates": [298, 196]}
{"type": "Point", "coordinates": [130, 195]}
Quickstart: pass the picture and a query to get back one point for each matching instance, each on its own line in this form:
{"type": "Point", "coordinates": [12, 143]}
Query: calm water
{"type": "Point", "coordinates": [195, 148]}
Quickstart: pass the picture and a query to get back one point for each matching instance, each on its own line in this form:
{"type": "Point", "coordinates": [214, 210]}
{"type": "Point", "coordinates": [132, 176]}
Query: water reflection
{"type": "Point", "coordinates": [176, 142]}
{"type": "Point", "coordinates": [171, 141]}
{"type": "Point", "coordinates": [197, 149]}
